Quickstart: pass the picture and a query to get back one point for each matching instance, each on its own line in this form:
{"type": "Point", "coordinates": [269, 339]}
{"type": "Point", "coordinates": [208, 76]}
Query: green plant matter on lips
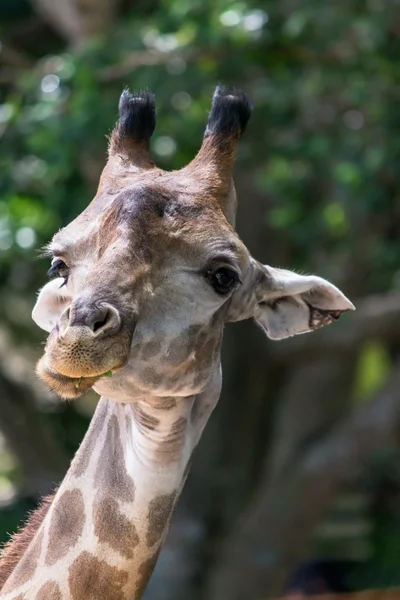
{"type": "Point", "coordinates": [78, 383]}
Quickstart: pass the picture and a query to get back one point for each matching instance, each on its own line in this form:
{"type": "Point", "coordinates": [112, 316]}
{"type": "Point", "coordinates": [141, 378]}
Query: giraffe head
{"type": "Point", "coordinates": [146, 277]}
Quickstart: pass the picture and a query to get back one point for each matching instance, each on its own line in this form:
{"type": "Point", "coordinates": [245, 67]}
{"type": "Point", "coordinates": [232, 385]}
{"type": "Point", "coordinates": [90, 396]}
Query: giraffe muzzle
{"type": "Point", "coordinates": [89, 340]}
{"type": "Point", "coordinates": [89, 320]}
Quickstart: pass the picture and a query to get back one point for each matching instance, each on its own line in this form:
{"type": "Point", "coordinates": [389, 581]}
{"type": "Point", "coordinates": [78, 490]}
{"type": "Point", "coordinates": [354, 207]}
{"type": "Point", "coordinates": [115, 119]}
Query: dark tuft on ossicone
{"type": "Point", "coordinates": [230, 112]}
{"type": "Point", "coordinates": [137, 115]}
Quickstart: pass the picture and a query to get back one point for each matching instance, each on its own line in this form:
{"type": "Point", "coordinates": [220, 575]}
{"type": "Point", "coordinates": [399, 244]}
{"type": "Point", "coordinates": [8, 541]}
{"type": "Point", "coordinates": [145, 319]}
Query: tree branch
{"type": "Point", "coordinates": [147, 58]}
{"type": "Point", "coordinates": [78, 20]}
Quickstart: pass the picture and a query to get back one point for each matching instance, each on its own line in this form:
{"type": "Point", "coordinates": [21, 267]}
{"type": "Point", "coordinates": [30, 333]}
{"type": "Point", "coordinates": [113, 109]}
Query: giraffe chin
{"type": "Point", "coordinates": [67, 387]}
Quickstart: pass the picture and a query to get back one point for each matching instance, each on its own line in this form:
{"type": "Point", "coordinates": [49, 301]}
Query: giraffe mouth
{"type": "Point", "coordinates": [72, 363]}
{"type": "Point", "coordinates": [64, 385]}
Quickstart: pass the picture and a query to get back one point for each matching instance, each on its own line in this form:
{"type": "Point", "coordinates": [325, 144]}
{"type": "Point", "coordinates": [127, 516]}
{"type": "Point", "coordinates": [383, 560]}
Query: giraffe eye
{"type": "Point", "coordinates": [224, 280]}
{"type": "Point", "coordinates": [58, 269]}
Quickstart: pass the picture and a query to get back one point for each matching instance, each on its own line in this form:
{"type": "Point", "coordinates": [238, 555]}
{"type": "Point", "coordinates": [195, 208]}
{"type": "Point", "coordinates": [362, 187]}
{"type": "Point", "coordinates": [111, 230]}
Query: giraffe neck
{"type": "Point", "coordinates": [103, 532]}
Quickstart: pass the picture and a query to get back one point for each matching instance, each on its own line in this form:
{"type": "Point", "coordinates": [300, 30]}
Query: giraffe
{"type": "Point", "coordinates": [142, 284]}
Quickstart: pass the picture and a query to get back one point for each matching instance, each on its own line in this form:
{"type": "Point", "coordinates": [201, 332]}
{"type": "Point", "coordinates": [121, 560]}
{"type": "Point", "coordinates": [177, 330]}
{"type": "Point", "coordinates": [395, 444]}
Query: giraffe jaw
{"type": "Point", "coordinates": [64, 385]}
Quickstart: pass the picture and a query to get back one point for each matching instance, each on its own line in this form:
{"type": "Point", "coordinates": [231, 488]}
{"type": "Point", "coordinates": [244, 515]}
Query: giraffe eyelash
{"type": "Point", "coordinates": [58, 269]}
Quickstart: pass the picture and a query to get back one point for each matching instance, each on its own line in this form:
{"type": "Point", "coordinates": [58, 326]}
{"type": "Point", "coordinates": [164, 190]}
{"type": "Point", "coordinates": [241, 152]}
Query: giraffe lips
{"type": "Point", "coordinates": [82, 358]}
{"type": "Point", "coordinates": [70, 367]}
{"type": "Point", "coordinates": [63, 385]}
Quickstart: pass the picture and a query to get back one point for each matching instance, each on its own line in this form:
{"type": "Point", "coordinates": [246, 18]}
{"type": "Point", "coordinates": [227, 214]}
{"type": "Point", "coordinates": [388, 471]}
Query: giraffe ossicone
{"type": "Point", "coordinates": [144, 280]}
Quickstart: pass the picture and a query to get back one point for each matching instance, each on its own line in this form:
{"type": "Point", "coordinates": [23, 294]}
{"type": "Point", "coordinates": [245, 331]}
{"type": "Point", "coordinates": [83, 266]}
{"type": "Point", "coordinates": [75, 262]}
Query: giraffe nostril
{"type": "Point", "coordinates": [103, 319]}
{"type": "Point", "coordinates": [100, 323]}
{"type": "Point", "coordinates": [107, 322]}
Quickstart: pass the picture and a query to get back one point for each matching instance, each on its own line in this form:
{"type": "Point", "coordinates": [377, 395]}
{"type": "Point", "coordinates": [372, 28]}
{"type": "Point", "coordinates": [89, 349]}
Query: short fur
{"type": "Point", "coordinates": [137, 115]}
{"type": "Point", "coordinates": [17, 545]}
{"type": "Point", "coordinates": [230, 112]}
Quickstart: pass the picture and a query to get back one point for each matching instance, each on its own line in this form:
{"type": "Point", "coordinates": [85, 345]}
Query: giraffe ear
{"type": "Point", "coordinates": [52, 300]}
{"type": "Point", "coordinates": [289, 304]}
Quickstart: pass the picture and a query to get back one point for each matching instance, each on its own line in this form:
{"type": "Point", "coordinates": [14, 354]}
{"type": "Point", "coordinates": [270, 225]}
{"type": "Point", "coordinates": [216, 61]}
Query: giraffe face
{"type": "Point", "coordinates": [148, 274]}
{"type": "Point", "coordinates": [145, 279]}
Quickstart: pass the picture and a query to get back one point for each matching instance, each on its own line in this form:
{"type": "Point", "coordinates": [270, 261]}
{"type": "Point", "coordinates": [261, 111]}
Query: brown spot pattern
{"type": "Point", "coordinates": [208, 345]}
{"type": "Point", "coordinates": [143, 419]}
{"type": "Point", "coordinates": [26, 567]}
{"type": "Point", "coordinates": [19, 597]}
{"type": "Point", "coordinates": [178, 349]}
{"type": "Point", "coordinates": [114, 528]}
{"type": "Point", "coordinates": [151, 377]}
{"type": "Point", "coordinates": [150, 349]}
{"type": "Point", "coordinates": [179, 427]}
{"type": "Point", "coordinates": [160, 510]}
{"type": "Point", "coordinates": [17, 546]}
{"type": "Point", "coordinates": [173, 443]}
{"type": "Point", "coordinates": [111, 473]}
{"type": "Point", "coordinates": [108, 230]}
{"type": "Point", "coordinates": [81, 463]}
{"type": "Point", "coordinates": [145, 571]}
{"type": "Point", "coordinates": [50, 591]}
{"type": "Point", "coordinates": [66, 527]}
{"type": "Point", "coordinates": [166, 403]}
{"type": "Point", "coordinates": [92, 579]}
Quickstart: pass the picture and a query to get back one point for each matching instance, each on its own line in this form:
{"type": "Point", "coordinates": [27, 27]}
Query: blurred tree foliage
{"type": "Point", "coordinates": [320, 145]}
{"type": "Point", "coordinates": [317, 169]}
